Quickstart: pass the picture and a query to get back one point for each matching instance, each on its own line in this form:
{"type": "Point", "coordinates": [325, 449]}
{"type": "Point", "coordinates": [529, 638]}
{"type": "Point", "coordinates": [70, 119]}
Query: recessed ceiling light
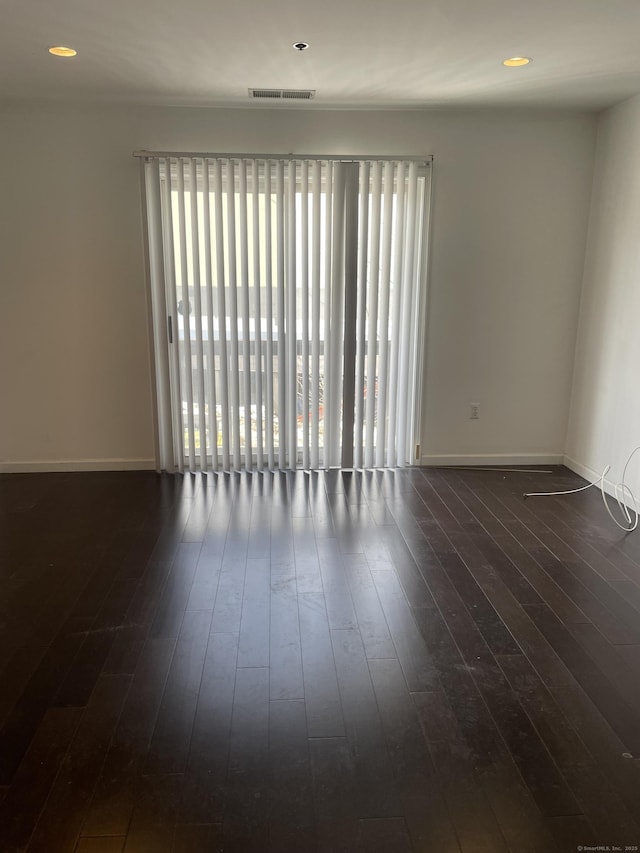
{"type": "Point", "coordinates": [516, 61]}
{"type": "Point", "coordinates": [63, 51]}
{"type": "Point", "coordinates": [300, 45]}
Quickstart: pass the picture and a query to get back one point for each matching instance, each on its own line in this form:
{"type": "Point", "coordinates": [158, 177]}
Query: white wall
{"type": "Point", "coordinates": [604, 425]}
{"type": "Point", "coordinates": [510, 212]}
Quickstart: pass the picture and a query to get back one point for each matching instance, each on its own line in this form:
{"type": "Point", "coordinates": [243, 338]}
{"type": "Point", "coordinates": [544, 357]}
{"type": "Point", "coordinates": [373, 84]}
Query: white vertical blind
{"type": "Point", "coordinates": [304, 308]}
{"type": "Point", "coordinates": [270, 278]}
{"type": "Point", "coordinates": [335, 336]}
{"type": "Point", "coordinates": [361, 311]}
{"type": "Point", "coordinates": [328, 355]}
{"type": "Point", "coordinates": [199, 373]}
{"type": "Point", "coordinates": [159, 310]}
{"type": "Point", "coordinates": [257, 310]}
{"type": "Point", "coordinates": [222, 316]}
{"type": "Point", "coordinates": [246, 340]}
{"type": "Point", "coordinates": [371, 341]}
{"type": "Point", "coordinates": [210, 438]}
{"type": "Point", "coordinates": [395, 318]}
{"type": "Point", "coordinates": [234, 361]}
{"type": "Point", "coordinates": [405, 343]}
{"type": "Point", "coordinates": [281, 300]}
{"type": "Point", "coordinates": [291, 330]}
{"type": "Point", "coordinates": [268, 274]}
{"type": "Point", "coordinates": [315, 316]}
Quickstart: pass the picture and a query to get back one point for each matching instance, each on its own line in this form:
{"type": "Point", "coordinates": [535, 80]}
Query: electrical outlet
{"type": "Point", "coordinates": [474, 411]}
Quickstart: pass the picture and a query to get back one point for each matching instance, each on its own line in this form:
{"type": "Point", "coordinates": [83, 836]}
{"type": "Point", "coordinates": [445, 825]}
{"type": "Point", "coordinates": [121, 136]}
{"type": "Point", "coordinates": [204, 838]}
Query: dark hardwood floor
{"type": "Point", "coordinates": [413, 660]}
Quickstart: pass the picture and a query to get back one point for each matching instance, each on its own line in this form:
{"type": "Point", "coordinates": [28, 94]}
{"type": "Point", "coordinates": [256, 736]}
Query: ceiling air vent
{"type": "Point", "coordinates": [299, 94]}
{"type": "Point", "coordinates": [283, 94]}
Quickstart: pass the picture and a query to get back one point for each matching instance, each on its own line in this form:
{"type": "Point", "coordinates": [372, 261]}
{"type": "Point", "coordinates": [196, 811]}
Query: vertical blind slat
{"type": "Point", "coordinates": [174, 362]}
{"type": "Point", "coordinates": [268, 269]}
{"type": "Point", "coordinates": [395, 317]}
{"type": "Point", "coordinates": [210, 446]}
{"type": "Point", "coordinates": [315, 313]}
{"type": "Point", "coordinates": [372, 328]}
{"type": "Point", "coordinates": [327, 342]}
{"type": "Point", "coordinates": [197, 307]}
{"type": "Point", "coordinates": [361, 310]}
{"type": "Point", "coordinates": [280, 294]}
{"type": "Point", "coordinates": [423, 230]}
{"type": "Point", "coordinates": [222, 314]}
{"type": "Point", "coordinates": [246, 336]}
{"type": "Point", "coordinates": [349, 308]}
{"type": "Point", "coordinates": [291, 320]}
{"type": "Point", "coordinates": [405, 353]}
{"type": "Point", "coordinates": [385, 285]}
{"type": "Point", "coordinates": [257, 310]}
{"type": "Point", "coordinates": [159, 305]}
{"type": "Point", "coordinates": [234, 366]}
{"type": "Point", "coordinates": [187, 377]}
{"type": "Point", "coordinates": [304, 308]}
{"type": "Point", "coordinates": [337, 316]}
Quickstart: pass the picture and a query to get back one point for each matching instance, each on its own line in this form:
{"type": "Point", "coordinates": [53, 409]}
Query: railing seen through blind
{"type": "Point", "coordinates": [288, 310]}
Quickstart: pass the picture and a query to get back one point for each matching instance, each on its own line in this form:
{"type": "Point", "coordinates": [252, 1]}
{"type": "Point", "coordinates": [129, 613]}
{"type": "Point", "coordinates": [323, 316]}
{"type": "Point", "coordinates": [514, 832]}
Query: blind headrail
{"type": "Point", "coordinates": [355, 158]}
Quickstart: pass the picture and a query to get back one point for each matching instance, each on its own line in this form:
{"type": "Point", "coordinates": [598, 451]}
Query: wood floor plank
{"type": "Point", "coordinates": [60, 822]}
{"type": "Point", "coordinates": [260, 530]}
{"type": "Point", "coordinates": [608, 817]}
{"type": "Point", "coordinates": [594, 587]}
{"type": "Point", "coordinates": [334, 788]}
{"type": "Point", "coordinates": [347, 536]}
{"type": "Point", "coordinates": [101, 844]}
{"type": "Point", "coordinates": [291, 817]}
{"type": "Point", "coordinates": [126, 650]}
{"type": "Point", "coordinates": [418, 789]}
{"type": "Point", "coordinates": [320, 508]}
{"type": "Point", "coordinates": [154, 817]}
{"type": "Point", "coordinates": [624, 719]}
{"type": "Point", "coordinates": [115, 793]}
{"type": "Point", "coordinates": [519, 818]}
{"type": "Point", "coordinates": [609, 661]}
{"type": "Point", "coordinates": [246, 820]}
{"type": "Point", "coordinates": [176, 591]}
{"type": "Point", "coordinates": [340, 611]}
{"type": "Point", "coordinates": [97, 645]}
{"type": "Point", "coordinates": [227, 612]}
{"type": "Point", "coordinates": [603, 743]}
{"type": "Point", "coordinates": [321, 694]}
{"type": "Point", "coordinates": [475, 823]}
{"type": "Point", "coordinates": [372, 623]}
{"type": "Point", "coordinates": [253, 649]}
{"type": "Point", "coordinates": [202, 594]}
{"type": "Point", "coordinates": [375, 784]}
{"type": "Point", "coordinates": [308, 577]}
{"type": "Point", "coordinates": [285, 653]}
{"type": "Point", "coordinates": [169, 746]}
{"type": "Point", "coordinates": [411, 650]}
{"type": "Point", "coordinates": [24, 799]}
{"type": "Point", "coordinates": [15, 675]}
{"type": "Point", "coordinates": [198, 838]}
{"type": "Point", "coordinates": [203, 790]}
{"type": "Point", "coordinates": [383, 835]}
{"type": "Point", "coordinates": [21, 724]}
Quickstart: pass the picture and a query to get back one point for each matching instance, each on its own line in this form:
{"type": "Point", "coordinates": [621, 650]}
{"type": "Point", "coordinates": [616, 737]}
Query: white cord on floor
{"type": "Point", "coordinates": [621, 491]}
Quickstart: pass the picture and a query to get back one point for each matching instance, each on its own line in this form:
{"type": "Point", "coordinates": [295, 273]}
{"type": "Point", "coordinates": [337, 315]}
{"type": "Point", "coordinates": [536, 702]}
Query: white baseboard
{"type": "Point", "coordinates": [493, 459]}
{"type": "Point", "coordinates": [589, 474]}
{"type": "Point", "coordinates": [69, 465]}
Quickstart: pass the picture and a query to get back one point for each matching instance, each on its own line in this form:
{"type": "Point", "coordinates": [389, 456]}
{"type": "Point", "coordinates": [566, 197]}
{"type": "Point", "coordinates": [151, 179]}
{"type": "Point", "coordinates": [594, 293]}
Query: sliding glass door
{"type": "Point", "coordinates": [288, 302]}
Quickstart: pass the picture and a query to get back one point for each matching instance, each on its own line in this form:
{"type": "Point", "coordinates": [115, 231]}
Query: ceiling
{"type": "Point", "coordinates": [364, 53]}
